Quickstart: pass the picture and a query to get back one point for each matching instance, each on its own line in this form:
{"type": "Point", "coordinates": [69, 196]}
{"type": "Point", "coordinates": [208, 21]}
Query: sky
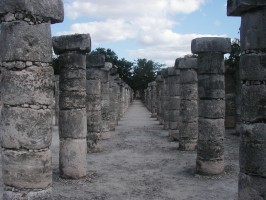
{"type": "Point", "coordinates": [158, 30]}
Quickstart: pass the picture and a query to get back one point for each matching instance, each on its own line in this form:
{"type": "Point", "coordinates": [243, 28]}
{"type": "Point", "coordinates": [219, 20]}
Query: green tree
{"type": "Point", "coordinates": [144, 72]}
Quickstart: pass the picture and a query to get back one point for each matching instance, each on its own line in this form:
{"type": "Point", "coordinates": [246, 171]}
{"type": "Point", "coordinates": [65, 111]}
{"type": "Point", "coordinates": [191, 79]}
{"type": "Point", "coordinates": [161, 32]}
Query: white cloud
{"type": "Point", "coordinates": [149, 22]}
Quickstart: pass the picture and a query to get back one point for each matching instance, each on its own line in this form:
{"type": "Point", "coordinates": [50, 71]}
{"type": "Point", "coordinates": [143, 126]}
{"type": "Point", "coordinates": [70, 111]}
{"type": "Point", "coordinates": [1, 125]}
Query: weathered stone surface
{"type": "Point", "coordinates": [211, 129]}
{"type": "Point", "coordinates": [24, 169]}
{"type": "Point", "coordinates": [210, 150]}
{"type": "Point", "coordinates": [73, 84]}
{"type": "Point", "coordinates": [70, 61]}
{"type": "Point", "coordinates": [253, 103]}
{"type": "Point", "coordinates": [238, 7]}
{"type": "Point", "coordinates": [94, 116]}
{"type": "Point", "coordinates": [253, 132]}
{"type": "Point", "coordinates": [93, 74]}
{"type": "Point", "coordinates": [252, 30]}
{"type": "Point", "coordinates": [173, 115]}
{"type": "Point", "coordinates": [93, 102]}
{"type": "Point", "coordinates": [72, 159]}
{"type": "Point", "coordinates": [26, 195]}
{"type": "Point", "coordinates": [211, 44]}
{"type": "Point", "coordinates": [174, 89]}
{"type": "Point", "coordinates": [189, 91]}
{"type": "Point", "coordinates": [205, 167]}
{"type": "Point", "coordinates": [33, 85]}
{"type": "Point", "coordinates": [253, 67]}
{"type": "Point", "coordinates": [174, 103]}
{"type": "Point", "coordinates": [30, 43]}
{"type": "Point", "coordinates": [188, 63]}
{"type": "Point", "coordinates": [72, 100]}
{"type": "Point", "coordinates": [187, 145]}
{"type": "Point", "coordinates": [93, 127]}
{"type": "Point", "coordinates": [211, 86]}
{"type": "Point", "coordinates": [73, 123]}
{"type": "Point", "coordinates": [76, 42]}
{"type": "Point", "coordinates": [252, 158]}
{"type": "Point", "coordinates": [189, 130]}
{"type": "Point", "coordinates": [251, 187]}
{"type": "Point", "coordinates": [211, 63]}
{"type": "Point", "coordinates": [212, 109]}
{"type": "Point", "coordinates": [93, 87]}
{"type": "Point", "coordinates": [188, 76]}
{"type": "Point", "coordinates": [96, 61]}
{"type": "Point", "coordinates": [188, 111]}
{"type": "Point", "coordinates": [26, 128]}
{"type": "Point", "coordinates": [44, 9]}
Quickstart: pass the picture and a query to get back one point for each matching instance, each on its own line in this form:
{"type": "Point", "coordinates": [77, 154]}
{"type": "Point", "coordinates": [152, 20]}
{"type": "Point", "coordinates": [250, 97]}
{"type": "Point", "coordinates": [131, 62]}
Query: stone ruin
{"type": "Point", "coordinates": [190, 100]}
{"type": "Point", "coordinates": [27, 96]}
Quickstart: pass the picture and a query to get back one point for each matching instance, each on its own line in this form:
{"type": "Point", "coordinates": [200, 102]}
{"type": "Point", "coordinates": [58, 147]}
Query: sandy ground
{"type": "Point", "coordinates": [139, 162]}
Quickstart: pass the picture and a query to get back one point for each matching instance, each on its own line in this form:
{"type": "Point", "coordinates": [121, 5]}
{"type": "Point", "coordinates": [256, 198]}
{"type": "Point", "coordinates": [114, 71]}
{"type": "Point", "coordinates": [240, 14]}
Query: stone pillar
{"type": "Point", "coordinates": [72, 104]}
{"type": "Point", "coordinates": [189, 104]}
{"type": "Point", "coordinates": [252, 176]}
{"type": "Point", "coordinates": [165, 100]}
{"type": "Point", "coordinates": [105, 98]}
{"type": "Point", "coordinates": [153, 100]}
{"type": "Point", "coordinates": [159, 90]}
{"type": "Point", "coordinates": [174, 102]}
{"type": "Point", "coordinates": [93, 100]}
{"type": "Point", "coordinates": [211, 90]}
{"type": "Point", "coordinates": [113, 98]}
{"type": "Point", "coordinates": [27, 95]}
{"type": "Point", "coordinates": [56, 99]}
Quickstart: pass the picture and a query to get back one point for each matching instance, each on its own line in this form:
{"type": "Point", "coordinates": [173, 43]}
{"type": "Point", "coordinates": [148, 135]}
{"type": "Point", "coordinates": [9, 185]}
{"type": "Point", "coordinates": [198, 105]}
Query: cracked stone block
{"type": "Point", "coordinates": [76, 42]}
{"type": "Point", "coordinates": [33, 85]}
{"type": "Point", "coordinates": [26, 128]}
{"type": "Point", "coordinates": [72, 159]}
{"type": "Point", "coordinates": [211, 129]}
{"type": "Point", "coordinates": [211, 87]}
{"type": "Point", "coordinates": [73, 123]}
{"type": "Point", "coordinates": [212, 109]}
{"type": "Point", "coordinates": [24, 169]}
{"type": "Point", "coordinates": [30, 43]}
{"type": "Point", "coordinates": [45, 9]}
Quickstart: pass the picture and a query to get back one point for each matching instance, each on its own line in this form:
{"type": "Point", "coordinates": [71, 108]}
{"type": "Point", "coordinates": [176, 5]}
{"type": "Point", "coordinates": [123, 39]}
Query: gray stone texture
{"type": "Point", "coordinates": [44, 9]}
{"type": "Point", "coordinates": [73, 158]}
{"type": "Point", "coordinates": [27, 94]}
{"type": "Point", "coordinates": [173, 81]}
{"type": "Point", "coordinates": [72, 104]}
{"type": "Point", "coordinates": [210, 149]}
{"type": "Point", "coordinates": [251, 183]}
{"type": "Point", "coordinates": [189, 103]}
{"type": "Point", "coordinates": [159, 88]}
{"type": "Point", "coordinates": [95, 64]}
{"type": "Point", "coordinates": [30, 43]}
{"type": "Point", "coordinates": [77, 42]}
{"type": "Point", "coordinates": [27, 170]}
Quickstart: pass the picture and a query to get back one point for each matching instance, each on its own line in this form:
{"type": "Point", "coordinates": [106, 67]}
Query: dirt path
{"type": "Point", "coordinates": [140, 163]}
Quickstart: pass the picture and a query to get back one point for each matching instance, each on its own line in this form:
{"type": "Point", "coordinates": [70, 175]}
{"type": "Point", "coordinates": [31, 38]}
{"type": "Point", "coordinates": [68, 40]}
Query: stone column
{"type": "Point", "coordinates": [210, 150]}
{"type": "Point", "coordinates": [159, 90]}
{"type": "Point", "coordinates": [189, 104]}
{"type": "Point", "coordinates": [165, 100]}
{"type": "Point", "coordinates": [154, 100]}
{"type": "Point", "coordinates": [113, 99]}
{"type": "Point", "coordinates": [72, 104]}
{"type": "Point", "coordinates": [252, 176]}
{"type": "Point", "coordinates": [27, 95]}
{"type": "Point", "coordinates": [93, 100]}
{"type": "Point", "coordinates": [105, 98]}
{"type": "Point", "coordinates": [174, 102]}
